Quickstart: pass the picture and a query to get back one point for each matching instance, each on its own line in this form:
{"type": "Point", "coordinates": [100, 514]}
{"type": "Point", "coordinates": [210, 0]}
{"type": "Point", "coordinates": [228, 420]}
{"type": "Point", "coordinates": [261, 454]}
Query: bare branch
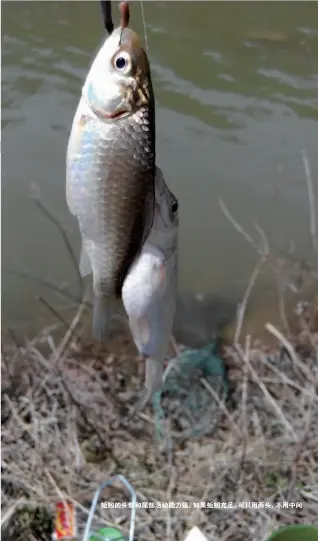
{"type": "Point", "coordinates": [243, 305]}
{"type": "Point", "coordinates": [52, 310]}
{"type": "Point", "coordinates": [35, 195]}
{"type": "Point", "coordinates": [288, 346]}
{"type": "Point", "coordinates": [58, 354]}
{"type": "Point", "coordinates": [237, 226]}
{"type": "Point", "coordinates": [27, 275]}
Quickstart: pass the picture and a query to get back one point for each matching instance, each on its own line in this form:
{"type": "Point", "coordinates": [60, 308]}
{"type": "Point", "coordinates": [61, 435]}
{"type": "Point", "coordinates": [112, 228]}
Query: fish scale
{"type": "Point", "coordinates": [106, 195]}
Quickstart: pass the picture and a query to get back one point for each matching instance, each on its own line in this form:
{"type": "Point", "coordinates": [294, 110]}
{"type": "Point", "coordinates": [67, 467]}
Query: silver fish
{"type": "Point", "coordinates": [111, 168]}
{"type": "Point", "coordinates": [149, 289]}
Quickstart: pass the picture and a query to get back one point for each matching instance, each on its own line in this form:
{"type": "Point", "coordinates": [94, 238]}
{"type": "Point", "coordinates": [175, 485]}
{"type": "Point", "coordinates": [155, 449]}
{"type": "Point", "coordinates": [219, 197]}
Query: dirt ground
{"type": "Point", "coordinates": [65, 431]}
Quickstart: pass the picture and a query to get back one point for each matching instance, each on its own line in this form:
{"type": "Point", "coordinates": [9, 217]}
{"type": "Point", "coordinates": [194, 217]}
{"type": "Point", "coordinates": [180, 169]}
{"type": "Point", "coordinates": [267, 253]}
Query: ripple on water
{"type": "Point", "coordinates": [310, 32]}
{"type": "Point", "coordinates": [291, 81]}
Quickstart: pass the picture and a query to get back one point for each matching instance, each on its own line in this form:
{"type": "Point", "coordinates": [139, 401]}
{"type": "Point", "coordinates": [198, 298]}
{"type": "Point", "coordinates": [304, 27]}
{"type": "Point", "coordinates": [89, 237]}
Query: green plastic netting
{"type": "Point", "coordinates": [190, 402]}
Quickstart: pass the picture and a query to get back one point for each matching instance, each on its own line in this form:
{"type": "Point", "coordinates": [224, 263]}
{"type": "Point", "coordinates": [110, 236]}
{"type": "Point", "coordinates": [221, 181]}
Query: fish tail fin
{"type": "Point", "coordinates": [103, 310]}
{"type": "Point", "coordinates": [154, 371]}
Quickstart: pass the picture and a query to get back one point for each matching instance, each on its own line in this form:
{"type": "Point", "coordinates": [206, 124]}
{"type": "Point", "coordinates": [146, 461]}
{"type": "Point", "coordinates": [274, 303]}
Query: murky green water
{"type": "Point", "coordinates": [236, 85]}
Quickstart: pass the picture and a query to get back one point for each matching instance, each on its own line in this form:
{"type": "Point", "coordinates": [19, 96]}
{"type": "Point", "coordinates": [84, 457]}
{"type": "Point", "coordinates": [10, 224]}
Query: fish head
{"type": "Point", "coordinates": [164, 232]}
{"type": "Point", "coordinates": [119, 81]}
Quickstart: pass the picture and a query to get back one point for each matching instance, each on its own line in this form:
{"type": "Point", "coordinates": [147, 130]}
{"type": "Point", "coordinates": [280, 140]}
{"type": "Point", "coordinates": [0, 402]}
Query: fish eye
{"type": "Point", "coordinates": [174, 206]}
{"type": "Point", "coordinates": [122, 62]}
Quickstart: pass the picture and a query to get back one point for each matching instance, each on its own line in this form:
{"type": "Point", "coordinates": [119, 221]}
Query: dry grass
{"type": "Point", "coordinates": [63, 433]}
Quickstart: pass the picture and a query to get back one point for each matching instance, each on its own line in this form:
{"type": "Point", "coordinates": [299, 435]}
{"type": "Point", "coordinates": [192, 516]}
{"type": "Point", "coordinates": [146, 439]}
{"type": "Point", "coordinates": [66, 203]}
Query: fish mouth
{"type": "Point", "coordinates": [118, 114]}
{"type": "Point", "coordinates": [111, 116]}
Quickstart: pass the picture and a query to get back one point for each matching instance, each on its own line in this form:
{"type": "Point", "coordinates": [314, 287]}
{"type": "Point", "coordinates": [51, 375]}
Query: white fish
{"type": "Point", "coordinates": [149, 289]}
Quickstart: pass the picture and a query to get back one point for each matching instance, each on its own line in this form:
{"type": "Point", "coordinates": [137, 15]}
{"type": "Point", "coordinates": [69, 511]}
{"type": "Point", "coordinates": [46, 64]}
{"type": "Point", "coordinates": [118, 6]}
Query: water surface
{"type": "Point", "coordinates": [236, 85]}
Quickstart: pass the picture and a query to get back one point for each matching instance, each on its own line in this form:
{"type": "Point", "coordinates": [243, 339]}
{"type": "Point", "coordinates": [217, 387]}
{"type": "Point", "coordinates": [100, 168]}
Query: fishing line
{"type": "Point", "coordinates": [144, 23]}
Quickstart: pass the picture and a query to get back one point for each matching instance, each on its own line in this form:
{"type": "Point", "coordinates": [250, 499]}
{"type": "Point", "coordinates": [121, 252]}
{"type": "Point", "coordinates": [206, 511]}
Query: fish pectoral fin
{"type": "Point", "coordinates": [154, 371]}
{"type": "Point", "coordinates": [85, 265]}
